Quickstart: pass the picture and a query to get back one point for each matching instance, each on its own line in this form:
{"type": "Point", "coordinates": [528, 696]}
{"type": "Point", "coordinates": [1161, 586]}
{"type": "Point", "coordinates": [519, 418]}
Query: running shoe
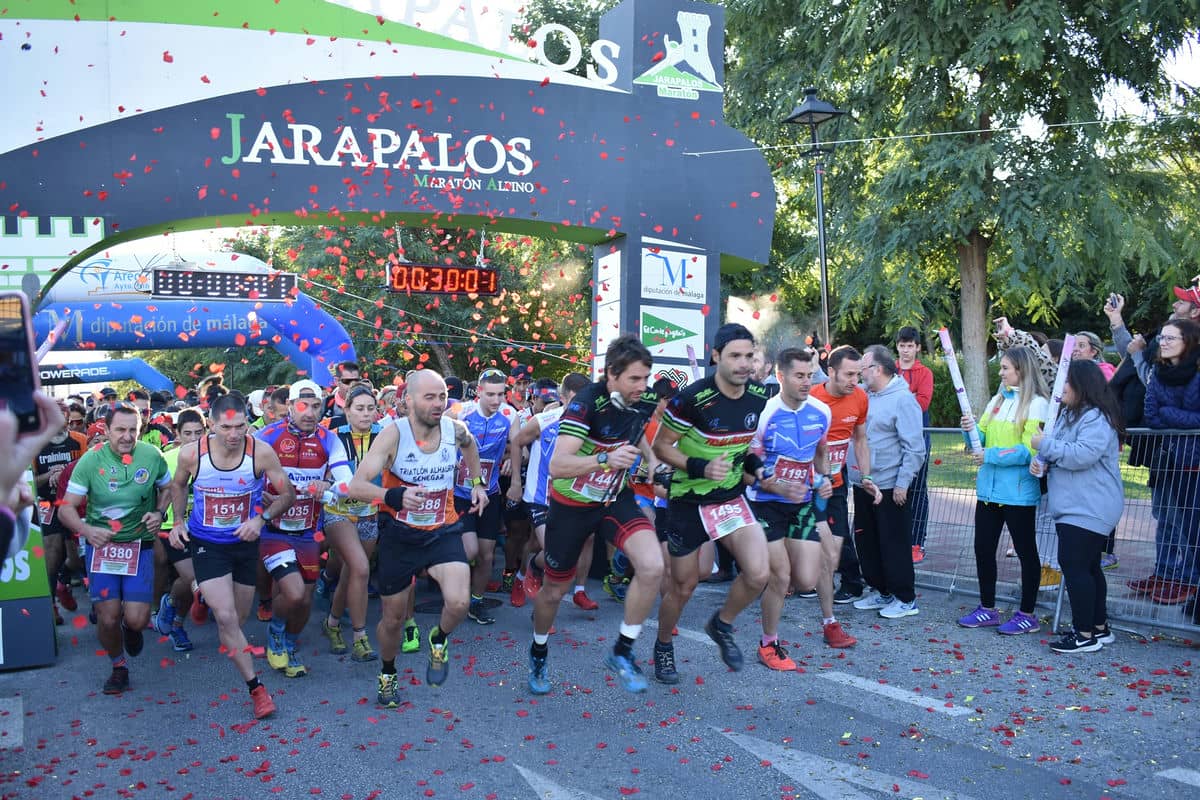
{"type": "Point", "coordinates": [277, 653]}
{"type": "Point", "coordinates": [1019, 623]}
{"type": "Point", "coordinates": [264, 611]}
{"type": "Point", "coordinates": [65, 598]}
{"type": "Point", "coordinates": [264, 706]}
{"type": "Point", "coordinates": [615, 587]}
{"type": "Point", "coordinates": [1145, 585]}
{"type": "Point", "coordinates": [918, 554]}
{"type": "Point", "coordinates": [583, 601]}
{"type": "Point", "coordinates": [337, 643]}
{"type": "Point", "coordinates": [389, 691]}
{"type": "Point", "coordinates": [844, 597]}
{"type": "Point", "coordinates": [362, 650]}
{"type": "Point", "coordinates": [1050, 579]}
{"type": "Point", "coordinates": [199, 608]}
{"type": "Point", "coordinates": [478, 611]}
{"type": "Point", "coordinates": [628, 672]}
{"type": "Point", "coordinates": [836, 636]}
{"type": "Point", "coordinates": [516, 595]}
{"type": "Point", "coordinates": [507, 581]}
{"type": "Point", "coordinates": [134, 640]}
{"type": "Point", "coordinates": [980, 618]}
{"type": "Point", "coordinates": [412, 639]}
{"type": "Point", "coordinates": [1170, 593]}
{"type": "Point", "coordinates": [118, 682]}
{"type": "Point", "coordinates": [180, 640]}
{"type": "Point", "coordinates": [898, 609]}
{"type": "Point", "coordinates": [1074, 643]}
{"type": "Point", "coordinates": [439, 662]}
{"type": "Point", "coordinates": [492, 587]}
{"type": "Point", "coordinates": [620, 563]}
{"type": "Point", "coordinates": [1105, 635]}
{"type": "Point", "coordinates": [294, 668]}
{"type": "Point", "coordinates": [722, 634]}
{"type": "Point", "coordinates": [873, 602]}
{"type": "Point", "coordinates": [808, 594]}
{"type": "Point", "coordinates": [164, 620]}
{"type": "Point", "coordinates": [533, 578]}
{"type": "Point", "coordinates": [774, 656]}
{"type": "Point", "coordinates": [664, 663]}
{"type": "Point", "coordinates": [1109, 561]}
{"type": "Point", "coordinates": [539, 675]}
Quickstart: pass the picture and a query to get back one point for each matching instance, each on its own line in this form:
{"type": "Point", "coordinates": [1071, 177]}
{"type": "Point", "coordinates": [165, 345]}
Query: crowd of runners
{"type": "Point", "coordinates": [301, 495]}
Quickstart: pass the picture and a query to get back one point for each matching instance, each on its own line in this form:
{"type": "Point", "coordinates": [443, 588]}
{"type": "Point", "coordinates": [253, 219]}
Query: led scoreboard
{"type": "Point", "coordinates": [443, 279]}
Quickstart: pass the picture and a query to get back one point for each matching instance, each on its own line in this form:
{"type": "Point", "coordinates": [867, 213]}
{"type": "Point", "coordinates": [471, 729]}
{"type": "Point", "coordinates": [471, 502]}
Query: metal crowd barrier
{"type": "Point", "coordinates": [949, 563]}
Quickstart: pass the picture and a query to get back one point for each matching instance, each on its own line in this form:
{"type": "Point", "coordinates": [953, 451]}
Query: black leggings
{"type": "Point", "coordinates": [990, 519]}
{"type": "Point", "coordinates": [1079, 556]}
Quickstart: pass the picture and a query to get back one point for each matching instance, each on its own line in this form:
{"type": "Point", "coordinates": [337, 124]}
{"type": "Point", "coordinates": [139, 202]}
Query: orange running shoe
{"type": "Point", "coordinates": [836, 636]}
{"type": "Point", "coordinates": [583, 601]}
{"type": "Point", "coordinates": [264, 706]}
{"type": "Point", "coordinates": [775, 657]}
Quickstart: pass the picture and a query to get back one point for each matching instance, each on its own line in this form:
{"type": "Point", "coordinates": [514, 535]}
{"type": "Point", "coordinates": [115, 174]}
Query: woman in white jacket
{"type": "Point", "coordinates": [1086, 497]}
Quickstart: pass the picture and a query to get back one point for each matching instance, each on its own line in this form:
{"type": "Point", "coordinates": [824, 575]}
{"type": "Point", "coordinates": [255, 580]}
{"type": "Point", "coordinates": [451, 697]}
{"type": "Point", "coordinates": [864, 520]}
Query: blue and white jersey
{"type": "Point", "coordinates": [537, 476]}
{"type": "Point", "coordinates": [786, 440]}
{"type": "Point", "coordinates": [491, 436]}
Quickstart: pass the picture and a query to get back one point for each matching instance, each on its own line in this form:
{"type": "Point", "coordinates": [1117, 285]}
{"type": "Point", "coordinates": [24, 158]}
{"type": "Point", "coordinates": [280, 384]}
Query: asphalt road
{"type": "Point", "coordinates": [920, 708]}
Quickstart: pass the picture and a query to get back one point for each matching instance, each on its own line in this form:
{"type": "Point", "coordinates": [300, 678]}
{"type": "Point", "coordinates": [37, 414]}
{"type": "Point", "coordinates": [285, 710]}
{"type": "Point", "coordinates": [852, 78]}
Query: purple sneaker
{"type": "Point", "coordinates": [981, 618]}
{"type": "Point", "coordinates": [1020, 623]}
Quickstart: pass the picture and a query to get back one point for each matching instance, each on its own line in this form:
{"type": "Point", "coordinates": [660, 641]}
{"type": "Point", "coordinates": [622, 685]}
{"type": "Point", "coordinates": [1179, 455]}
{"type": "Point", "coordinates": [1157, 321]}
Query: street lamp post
{"type": "Point", "coordinates": [814, 113]}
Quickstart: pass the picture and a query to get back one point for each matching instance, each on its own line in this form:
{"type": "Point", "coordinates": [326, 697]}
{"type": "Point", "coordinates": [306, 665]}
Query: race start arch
{"type": "Point", "coordinates": [140, 118]}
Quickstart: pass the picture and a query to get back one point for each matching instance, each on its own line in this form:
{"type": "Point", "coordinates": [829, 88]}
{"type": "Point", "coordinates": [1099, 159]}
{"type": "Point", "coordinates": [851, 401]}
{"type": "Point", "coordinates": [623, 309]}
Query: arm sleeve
{"type": "Point", "coordinates": [339, 462]}
{"type": "Point", "coordinates": [1145, 369]}
{"type": "Point", "coordinates": [1121, 339]}
{"type": "Point", "coordinates": [577, 417]}
{"type": "Point", "coordinates": [1016, 454]}
{"type": "Point", "coordinates": [164, 472]}
{"type": "Point", "coordinates": [912, 439]}
{"type": "Point", "coordinates": [1093, 436]}
{"type": "Point", "coordinates": [678, 416]}
{"type": "Point", "coordinates": [1151, 406]}
{"type": "Point", "coordinates": [923, 388]}
{"type": "Point", "coordinates": [1046, 365]}
{"type": "Point", "coordinates": [78, 484]}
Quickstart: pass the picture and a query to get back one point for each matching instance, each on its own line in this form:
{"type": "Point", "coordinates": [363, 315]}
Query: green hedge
{"type": "Point", "coordinates": [943, 409]}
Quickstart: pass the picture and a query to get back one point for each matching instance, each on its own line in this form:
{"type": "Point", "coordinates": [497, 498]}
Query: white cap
{"type": "Point", "coordinates": [304, 386]}
{"type": "Point", "coordinates": [256, 401]}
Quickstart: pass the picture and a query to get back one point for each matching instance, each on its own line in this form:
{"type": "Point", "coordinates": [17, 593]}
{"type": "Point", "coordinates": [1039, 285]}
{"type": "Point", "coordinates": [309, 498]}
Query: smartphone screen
{"type": "Point", "coordinates": [17, 380]}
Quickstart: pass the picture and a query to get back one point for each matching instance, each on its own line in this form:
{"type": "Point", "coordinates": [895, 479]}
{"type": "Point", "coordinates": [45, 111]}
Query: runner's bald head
{"type": "Point", "coordinates": [422, 381]}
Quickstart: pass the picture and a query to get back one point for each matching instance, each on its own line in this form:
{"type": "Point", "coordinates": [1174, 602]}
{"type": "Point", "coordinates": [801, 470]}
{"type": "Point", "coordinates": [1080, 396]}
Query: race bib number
{"type": "Point", "coordinates": [431, 514]}
{"type": "Point", "coordinates": [226, 510]}
{"type": "Point", "coordinates": [722, 519]}
{"type": "Point", "coordinates": [793, 472]}
{"type": "Point", "coordinates": [302, 516]}
{"type": "Point", "coordinates": [837, 455]}
{"type": "Point", "coordinates": [595, 485]}
{"type": "Point", "coordinates": [116, 559]}
{"type": "Point", "coordinates": [485, 471]}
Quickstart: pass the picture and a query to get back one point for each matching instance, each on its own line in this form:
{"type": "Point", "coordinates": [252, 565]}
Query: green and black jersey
{"type": "Point", "coordinates": [603, 426]}
{"type": "Point", "coordinates": [711, 424]}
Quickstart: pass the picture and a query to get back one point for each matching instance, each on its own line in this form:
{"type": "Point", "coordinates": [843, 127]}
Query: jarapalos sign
{"type": "Point", "coordinates": [150, 116]}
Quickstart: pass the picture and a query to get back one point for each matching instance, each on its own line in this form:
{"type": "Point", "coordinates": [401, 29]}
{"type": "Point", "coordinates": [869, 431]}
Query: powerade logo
{"type": "Point", "coordinates": [685, 70]}
{"type": "Point", "coordinates": [66, 373]}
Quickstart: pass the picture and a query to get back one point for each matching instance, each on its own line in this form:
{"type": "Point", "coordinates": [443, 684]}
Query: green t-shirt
{"type": "Point", "coordinates": [120, 493]}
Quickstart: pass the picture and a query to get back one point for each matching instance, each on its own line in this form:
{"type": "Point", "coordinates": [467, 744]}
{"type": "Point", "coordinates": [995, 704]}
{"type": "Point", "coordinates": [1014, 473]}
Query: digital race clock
{"type": "Point", "coordinates": [443, 279]}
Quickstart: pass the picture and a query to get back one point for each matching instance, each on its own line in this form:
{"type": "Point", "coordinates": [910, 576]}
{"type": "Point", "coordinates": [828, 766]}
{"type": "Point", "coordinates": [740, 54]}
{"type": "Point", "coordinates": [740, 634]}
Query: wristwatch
{"type": "Point", "coordinates": [602, 460]}
{"type": "Point", "coordinates": [266, 515]}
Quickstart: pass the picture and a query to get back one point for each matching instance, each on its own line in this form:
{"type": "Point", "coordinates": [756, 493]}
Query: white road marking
{"type": "Point", "coordinates": [684, 633]}
{"type": "Point", "coordinates": [12, 722]}
{"type": "Point", "coordinates": [830, 780]}
{"type": "Point", "coordinates": [1189, 776]}
{"type": "Point", "coordinates": [893, 693]}
{"type": "Point", "coordinates": [549, 790]}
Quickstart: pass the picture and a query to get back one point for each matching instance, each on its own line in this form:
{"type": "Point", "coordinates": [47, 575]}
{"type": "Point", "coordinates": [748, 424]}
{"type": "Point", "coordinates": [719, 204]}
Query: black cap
{"type": "Point", "coordinates": [454, 388]}
{"type": "Point", "coordinates": [521, 373]}
{"type": "Point", "coordinates": [108, 391]}
{"type": "Point", "coordinates": [729, 332]}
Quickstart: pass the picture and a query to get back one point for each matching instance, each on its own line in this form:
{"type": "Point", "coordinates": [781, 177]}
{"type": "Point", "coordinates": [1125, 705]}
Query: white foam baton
{"type": "Point", "coordinates": [52, 339]}
{"type": "Point", "coordinates": [960, 388]}
{"type": "Point", "coordinates": [1060, 380]}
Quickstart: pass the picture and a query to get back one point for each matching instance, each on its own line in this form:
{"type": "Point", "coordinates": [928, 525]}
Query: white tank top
{"type": "Point", "coordinates": [434, 472]}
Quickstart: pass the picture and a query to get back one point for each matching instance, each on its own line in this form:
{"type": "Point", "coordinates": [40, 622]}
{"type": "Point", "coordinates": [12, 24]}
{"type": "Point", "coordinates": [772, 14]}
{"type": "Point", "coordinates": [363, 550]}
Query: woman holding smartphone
{"type": "Point", "coordinates": [1007, 495]}
{"type": "Point", "coordinates": [1082, 456]}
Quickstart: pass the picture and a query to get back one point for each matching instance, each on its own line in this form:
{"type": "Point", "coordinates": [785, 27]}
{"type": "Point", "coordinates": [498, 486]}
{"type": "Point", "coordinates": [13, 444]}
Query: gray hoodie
{"type": "Point", "coordinates": [1085, 473]}
{"type": "Point", "coordinates": [896, 435]}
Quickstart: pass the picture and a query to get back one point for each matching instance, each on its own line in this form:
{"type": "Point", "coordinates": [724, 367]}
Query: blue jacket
{"type": "Point", "coordinates": [1004, 477]}
{"type": "Point", "coordinates": [1085, 473]}
{"type": "Point", "coordinates": [1175, 407]}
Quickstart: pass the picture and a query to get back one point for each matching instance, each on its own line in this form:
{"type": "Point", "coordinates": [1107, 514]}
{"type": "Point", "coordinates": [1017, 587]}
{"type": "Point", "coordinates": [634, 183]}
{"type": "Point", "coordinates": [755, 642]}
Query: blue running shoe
{"type": "Point", "coordinates": [165, 619]}
{"type": "Point", "coordinates": [628, 672]}
{"type": "Point", "coordinates": [323, 593]}
{"type": "Point", "coordinates": [180, 640]}
{"type": "Point", "coordinates": [539, 678]}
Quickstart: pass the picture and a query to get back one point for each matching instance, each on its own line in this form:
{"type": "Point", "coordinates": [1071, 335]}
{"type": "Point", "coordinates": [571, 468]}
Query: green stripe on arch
{"type": "Point", "coordinates": [311, 17]}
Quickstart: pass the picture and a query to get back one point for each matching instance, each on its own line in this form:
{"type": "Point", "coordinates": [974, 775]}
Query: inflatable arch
{"type": "Point", "coordinates": [174, 116]}
{"type": "Point", "coordinates": [107, 305]}
{"type": "Point", "coordinates": [124, 369]}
